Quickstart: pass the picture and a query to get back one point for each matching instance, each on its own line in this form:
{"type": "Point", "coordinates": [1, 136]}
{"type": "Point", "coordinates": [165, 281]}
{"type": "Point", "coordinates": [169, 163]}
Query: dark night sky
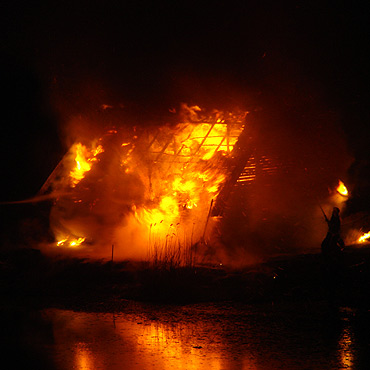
{"type": "Point", "coordinates": [64, 58]}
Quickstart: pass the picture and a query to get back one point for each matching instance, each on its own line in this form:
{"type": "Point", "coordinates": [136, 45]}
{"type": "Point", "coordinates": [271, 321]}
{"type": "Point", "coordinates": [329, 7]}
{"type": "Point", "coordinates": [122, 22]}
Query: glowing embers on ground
{"type": "Point", "coordinates": [341, 189]}
{"type": "Point", "coordinates": [70, 241]}
{"type": "Point", "coordinates": [138, 186]}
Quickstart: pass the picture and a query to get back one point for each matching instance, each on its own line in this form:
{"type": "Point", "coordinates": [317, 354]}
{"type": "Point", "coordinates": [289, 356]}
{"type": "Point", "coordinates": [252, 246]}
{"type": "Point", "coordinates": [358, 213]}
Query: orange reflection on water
{"type": "Point", "coordinates": [346, 348]}
{"type": "Point", "coordinates": [203, 336]}
{"type": "Point", "coordinates": [90, 341]}
{"type": "Point", "coordinates": [172, 343]}
{"type": "Point", "coordinates": [83, 357]}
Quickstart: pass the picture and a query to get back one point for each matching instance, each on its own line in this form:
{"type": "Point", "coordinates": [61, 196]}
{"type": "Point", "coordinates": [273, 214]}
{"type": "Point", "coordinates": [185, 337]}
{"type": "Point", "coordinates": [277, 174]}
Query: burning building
{"type": "Point", "coordinates": [145, 191]}
{"type": "Point", "coordinates": [203, 188]}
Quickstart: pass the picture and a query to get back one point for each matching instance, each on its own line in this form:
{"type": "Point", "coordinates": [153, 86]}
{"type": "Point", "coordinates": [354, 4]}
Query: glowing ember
{"type": "Point", "coordinates": [61, 242]}
{"type": "Point", "coordinates": [75, 243]}
{"type": "Point", "coordinates": [97, 151]}
{"type": "Point", "coordinates": [70, 242]}
{"type": "Point", "coordinates": [341, 189]}
{"type": "Point", "coordinates": [364, 238]}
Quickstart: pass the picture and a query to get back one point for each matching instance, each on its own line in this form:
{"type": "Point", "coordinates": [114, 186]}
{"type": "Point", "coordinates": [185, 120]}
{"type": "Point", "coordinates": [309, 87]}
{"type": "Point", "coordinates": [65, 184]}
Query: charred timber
{"type": "Point", "coordinates": [241, 153]}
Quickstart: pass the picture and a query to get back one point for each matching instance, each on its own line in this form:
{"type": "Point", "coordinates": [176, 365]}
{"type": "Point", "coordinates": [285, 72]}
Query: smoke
{"type": "Point", "coordinates": [299, 155]}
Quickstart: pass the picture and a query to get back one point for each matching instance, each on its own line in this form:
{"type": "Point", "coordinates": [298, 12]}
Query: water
{"type": "Point", "coordinates": [202, 336]}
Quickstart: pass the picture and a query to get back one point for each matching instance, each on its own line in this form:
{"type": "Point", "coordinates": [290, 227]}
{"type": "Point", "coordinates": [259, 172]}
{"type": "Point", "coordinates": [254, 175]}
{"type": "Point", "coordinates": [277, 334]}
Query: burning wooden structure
{"type": "Point", "coordinates": [152, 191]}
{"type": "Point", "coordinates": [148, 188]}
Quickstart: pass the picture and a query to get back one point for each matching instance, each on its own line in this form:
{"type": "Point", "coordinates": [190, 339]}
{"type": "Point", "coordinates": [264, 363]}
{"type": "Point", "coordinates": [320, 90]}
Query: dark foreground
{"type": "Point", "coordinates": [289, 313]}
{"type": "Point", "coordinates": [30, 279]}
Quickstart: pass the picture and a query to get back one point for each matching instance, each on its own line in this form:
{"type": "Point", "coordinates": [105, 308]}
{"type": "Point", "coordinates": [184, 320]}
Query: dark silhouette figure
{"type": "Point", "coordinates": [333, 244]}
{"type": "Point", "coordinates": [332, 247]}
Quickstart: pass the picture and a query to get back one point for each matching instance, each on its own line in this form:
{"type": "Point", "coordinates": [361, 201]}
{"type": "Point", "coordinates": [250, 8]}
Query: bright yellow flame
{"type": "Point", "coordinates": [77, 242]}
{"type": "Point", "coordinates": [82, 165]}
{"type": "Point", "coordinates": [364, 238]}
{"type": "Point", "coordinates": [83, 160]}
{"type": "Point", "coordinates": [70, 242]}
{"type": "Point", "coordinates": [189, 204]}
{"type": "Point", "coordinates": [61, 242]}
{"type": "Point", "coordinates": [162, 216]}
{"type": "Point", "coordinates": [207, 138]}
{"type": "Point", "coordinates": [341, 189]}
{"type": "Point", "coordinates": [99, 149]}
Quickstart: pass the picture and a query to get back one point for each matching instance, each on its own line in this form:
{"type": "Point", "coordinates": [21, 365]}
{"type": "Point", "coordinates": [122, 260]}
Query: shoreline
{"type": "Point", "coordinates": [30, 279]}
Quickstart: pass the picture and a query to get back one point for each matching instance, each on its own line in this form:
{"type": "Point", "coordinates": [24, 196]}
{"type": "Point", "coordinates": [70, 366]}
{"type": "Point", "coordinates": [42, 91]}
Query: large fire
{"type": "Point", "coordinates": [167, 192]}
{"type": "Point", "coordinates": [145, 191]}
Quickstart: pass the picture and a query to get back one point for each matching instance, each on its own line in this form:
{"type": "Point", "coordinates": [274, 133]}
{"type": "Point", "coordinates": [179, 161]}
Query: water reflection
{"type": "Point", "coordinates": [202, 337]}
{"type": "Point", "coordinates": [130, 341]}
{"type": "Point", "coordinates": [84, 358]}
{"type": "Point", "coordinates": [346, 348]}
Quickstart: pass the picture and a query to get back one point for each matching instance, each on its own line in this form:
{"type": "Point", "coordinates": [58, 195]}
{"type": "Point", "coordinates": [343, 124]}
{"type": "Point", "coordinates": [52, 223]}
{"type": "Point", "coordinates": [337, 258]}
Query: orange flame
{"type": "Point", "coordinates": [73, 242]}
{"type": "Point", "coordinates": [83, 161]}
{"type": "Point", "coordinates": [364, 238]}
{"type": "Point", "coordinates": [341, 189]}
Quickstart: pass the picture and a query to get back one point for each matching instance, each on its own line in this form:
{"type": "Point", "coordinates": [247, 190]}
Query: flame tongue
{"type": "Point", "coordinates": [341, 189]}
{"type": "Point", "coordinates": [364, 238]}
{"type": "Point", "coordinates": [71, 242]}
{"type": "Point", "coordinates": [83, 161]}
